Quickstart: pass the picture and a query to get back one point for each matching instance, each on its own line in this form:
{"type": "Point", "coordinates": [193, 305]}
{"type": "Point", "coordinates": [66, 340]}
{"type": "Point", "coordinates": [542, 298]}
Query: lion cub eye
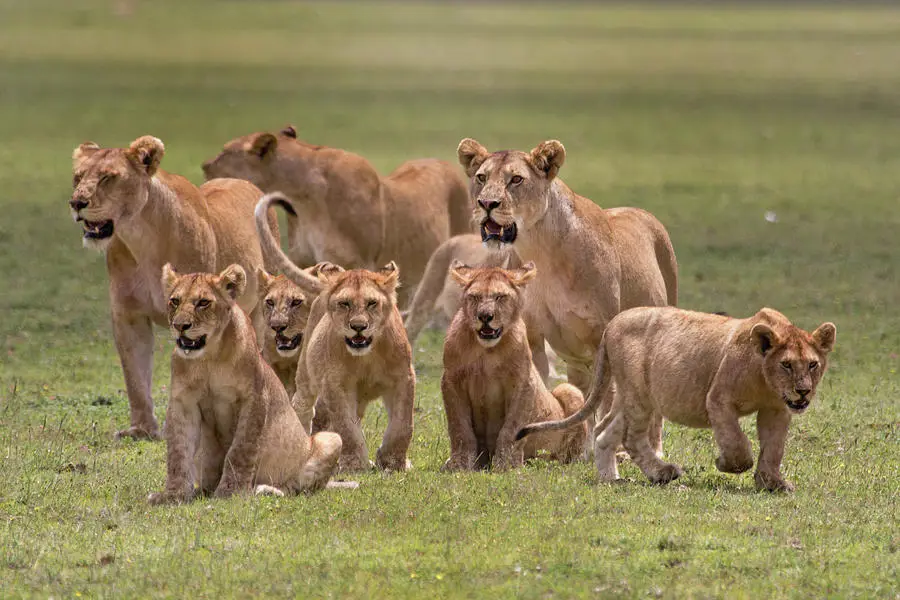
{"type": "Point", "coordinates": [480, 178]}
{"type": "Point", "coordinates": [501, 297]}
{"type": "Point", "coordinates": [270, 303]}
{"type": "Point", "coordinates": [786, 365]}
{"type": "Point", "coordinates": [76, 179]}
{"type": "Point", "coordinates": [295, 302]}
{"type": "Point", "coordinates": [202, 303]}
{"type": "Point", "coordinates": [174, 302]}
{"type": "Point", "coordinates": [371, 304]}
{"type": "Point", "coordinates": [814, 365]}
{"type": "Point", "coordinates": [344, 304]}
{"type": "Point", "coordinates": [516, 179]}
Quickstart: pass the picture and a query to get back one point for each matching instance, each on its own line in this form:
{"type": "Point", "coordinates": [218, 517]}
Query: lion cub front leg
{"type": "Point", "coordinates": [242, 457]}
{"type": "Point", "coordinates": [772, 427]}
{"type": "Point", "coordinates": [182, 430]}
{"type": "Point", "coordinates": [391, 455]}
{"type": "Point", "coordinates": [734, 447]}
{"type": "Point", "coordinates": [340, 411]}
{"type": "Point", "coordinates": [463, 445]}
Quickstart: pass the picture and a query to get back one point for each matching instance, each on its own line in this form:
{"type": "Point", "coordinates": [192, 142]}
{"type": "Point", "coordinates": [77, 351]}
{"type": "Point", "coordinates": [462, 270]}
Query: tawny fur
{"type": "Point", "coordinates": [593, 262]}
{"type": "Point", "coordinates": [345, 212]}
{"type": "Point", "coordinates": [336, 381]}
{"type": "Point", "coordinates": [157, 217]}
{"type": "Point", "coordinates": [490, 384]}
{"type": "Point", "coordinates": [703, 370]}
{"type": "Point", "coordinates": [230, 425]}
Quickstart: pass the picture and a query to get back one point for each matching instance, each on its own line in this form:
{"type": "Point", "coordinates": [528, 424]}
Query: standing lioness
{"type": "Point", "coordinates": [490, 385]}
{"type": "Point", "coordinates": [703, 370]}
{"type": "Point", "coordinates": [229, 424]}
{"type": "Point", "coordinates": [143, 218]}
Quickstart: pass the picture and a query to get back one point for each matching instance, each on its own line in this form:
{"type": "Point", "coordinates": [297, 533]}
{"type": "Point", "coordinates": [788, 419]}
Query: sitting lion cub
{"type": "Point", "coordinates": [703, 370]}
{"type": "Point", "coordinates": [229, 425]}
{"type": "Point", "coordinates": [355, 352]}
{"type": "Point", "coordinates": [490, 385]}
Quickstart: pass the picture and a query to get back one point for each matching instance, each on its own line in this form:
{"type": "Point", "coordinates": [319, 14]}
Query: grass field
{"type": "Point", "coordinates": [707, 117]}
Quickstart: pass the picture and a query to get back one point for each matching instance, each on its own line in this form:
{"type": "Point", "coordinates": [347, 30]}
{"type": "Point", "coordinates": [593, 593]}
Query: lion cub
{"type": "Point", "coordinates": [356, 351]}
{"type": "Point", "coordinates": [490, 385]}
{"type": "Point", "coordinates": [703, 370]}
{"type": "Point", "coordinates": [229, 424]}
{"type": "Point", "coordinates": [286, 311]}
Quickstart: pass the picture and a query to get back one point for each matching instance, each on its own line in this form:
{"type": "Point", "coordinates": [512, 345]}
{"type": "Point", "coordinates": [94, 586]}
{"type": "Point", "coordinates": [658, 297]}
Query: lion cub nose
{"type": "Point", "coordinates": [489, 205]}
{"type": "Point", "coordinates": [358, 327]}
{"type": "Point", "coordinates": [77, 204]}
{"type": "Point", "coordinates": [485, 317]}
{"type": "Point", "coordinates": [278, 328]}
{"type": "Point", "coordinates": [182, 327]}
{"type": "Point", "coordinates": [803, 392]}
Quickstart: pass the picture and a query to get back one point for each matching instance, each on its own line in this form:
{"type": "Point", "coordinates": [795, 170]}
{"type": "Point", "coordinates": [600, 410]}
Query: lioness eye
{"type": "Point", "coordinates": [480, 178]}
{"type": "Point", "coordinates": [813, 365]}
{"type": "Point", "coordinates": [371, 304]}
{"type": "Point", "coordinates": [501, 297]}
{"type": "Point", "coordinates": [516, 179]}
{"type": "Point", "coordinates": [270, 303]}
{"type": "Point", "coordinates": [786, 365]}
{"type": "Point", "coordinates": [202, 303]}
{"type": "Point", "coordinates": [344, 304]}
{"type": "Point", "coordinates": [76, 179]}
{"type": "Point", "coordinates": [296, 302]}
{"type": "Point", "coordinates": [174, 302]}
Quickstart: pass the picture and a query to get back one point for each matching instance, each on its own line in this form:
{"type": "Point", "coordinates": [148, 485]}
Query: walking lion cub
{"type": "Point", "coordinates": [702, 370]}
{"type": "Point", "coordinates": [229, 424]}
{"type": "Point", "coordinates": [491, 386]}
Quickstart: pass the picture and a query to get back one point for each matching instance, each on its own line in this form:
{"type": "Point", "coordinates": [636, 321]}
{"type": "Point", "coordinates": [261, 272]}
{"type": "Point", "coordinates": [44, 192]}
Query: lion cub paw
{"type": "Point", "coordinates": [737, 464]}
{"type": "Point", "coordinates": [150, 433]}
{"type": "Point", "coordinates": [667, 473]}
{"type": "Point", "coordinates": [268, 490]}
{"type": "Point", "coordinates": [394, 465]}
{"type": "Point", "coordinates": [163, 498]}
{"type": "Point", "coordinates": [772, 483]}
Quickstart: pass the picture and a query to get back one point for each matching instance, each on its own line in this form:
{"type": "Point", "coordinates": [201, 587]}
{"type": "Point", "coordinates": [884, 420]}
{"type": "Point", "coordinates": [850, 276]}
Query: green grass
{"type": "Point", "coordinates": [706, 117]}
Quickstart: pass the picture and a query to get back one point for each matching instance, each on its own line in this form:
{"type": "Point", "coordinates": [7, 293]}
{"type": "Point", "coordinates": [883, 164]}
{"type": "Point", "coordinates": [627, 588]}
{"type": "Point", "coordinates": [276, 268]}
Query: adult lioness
{"type": "Point", "coordinates": [356, 351]}
{"type": "Point", "coordinates": [286, 310]}
{"type": "Point", "coordinates": [143, 218]}
{"type": "Point", "coordinates": [703, 370]}
{"type": "Point", "coordinates": [490, 385]}
{"type": "Point", "coordinates": [344, 211]}
{"type": "Point", "coordinates": [229, 424]}
{"type": "Point", "coordinates": [593, 262]}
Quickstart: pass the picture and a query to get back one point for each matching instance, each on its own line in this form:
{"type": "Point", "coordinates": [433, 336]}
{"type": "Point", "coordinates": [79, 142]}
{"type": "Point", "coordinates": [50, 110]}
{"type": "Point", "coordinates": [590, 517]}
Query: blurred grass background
{"type": "Point", "coordinates": [709, 116]}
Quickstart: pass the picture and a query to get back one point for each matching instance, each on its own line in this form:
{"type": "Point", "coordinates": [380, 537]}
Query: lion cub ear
{"type": "Point", "coordinates": [289, 131]}
{"type": "Point", "coordinates": [461, 274]}
{"type": "Point", "coordinates": [389, 276]}
{"type": "Point", "coordinates": [263, 145]}
{"type": "Point", "coordinates": [523, 275]}
{"type": "Point", "coordinates": [471, 155]}
{"type": "Point", "coordinates": [83, 152]}
{"type": "Point", "coordinates": [232, 281]}
{"type": "Point", "coordinates": [146, 152]}
{"type": "Point", "coordinates": [169, 277]}
{"type": "Point", "coordinates": [263, 279]}
{"type": "Point", "coordinates": [548, 157]}
{"type": "Point", "coordinates": [824, 337]}
{"type": "Point", "coordinates": [327, 272]}
{"type": "Point", "coordinates": [764, 337]}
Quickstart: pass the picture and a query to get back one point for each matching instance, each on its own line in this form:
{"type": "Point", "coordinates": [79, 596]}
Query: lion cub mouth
{"type": "Point", "coordinates": [489, 333]}
{"type": "Point", "coordinates": [97, 230]}
{"type": "Point", "coordinates": [358, 341]}
{"type": "Point", "coordinates": [188, 345]}
{"type": "Point", "coordinates": [797, 406]}
{"type": "Point", "coordinates": [491, 230]}
{"type": "Point", "coordinates": [286, 344]}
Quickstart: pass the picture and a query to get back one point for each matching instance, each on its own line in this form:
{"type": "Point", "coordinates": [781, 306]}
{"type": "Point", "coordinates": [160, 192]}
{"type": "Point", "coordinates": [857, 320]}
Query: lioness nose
{"type": "Point", "coordinates": [489, 205]}
{"type": "Point", "coordinates": [358, 327]}
{"type": "Point", "coordinates": [279, 328]}
{"type": "Point", "coordinates": [803, 392]}
{"type": "Point", "coordinates": [485, 316]}
{"type": "Point", "coordinates": [77, 203]}
{"type": "Point", "coordinates": [182, 327]}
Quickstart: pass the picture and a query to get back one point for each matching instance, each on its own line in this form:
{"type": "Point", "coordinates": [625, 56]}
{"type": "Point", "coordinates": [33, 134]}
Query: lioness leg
{"type": "Point", "coordinates": [637, 424]}
{"type": "Point", "coordinates": [391, 455]}
{"type": "Point", "coordinates": [325, 453]}
{"type": "Point", "coordinates": [580, 376]}
{"type": "Point", "coordinates": [134, 342]}
{"type": "Point", "coordinates": [772, 427]}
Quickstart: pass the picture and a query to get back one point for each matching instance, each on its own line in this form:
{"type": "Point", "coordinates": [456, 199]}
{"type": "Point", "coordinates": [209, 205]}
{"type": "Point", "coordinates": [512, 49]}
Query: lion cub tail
{"type": "Point", "coordinates": [595, 397]}
{"type": "Point", "coordinates": [272, 252]}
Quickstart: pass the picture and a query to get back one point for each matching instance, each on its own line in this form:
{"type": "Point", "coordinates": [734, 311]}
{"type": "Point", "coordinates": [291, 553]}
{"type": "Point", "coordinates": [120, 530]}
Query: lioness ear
{"type": "Point", "coordinates": [471, 154]}
{"type": "Point", "coordinates": [523, 275]}
{"type": "Point", "coordinates": [390, 276]}
{"type": "Point", "coordinates": [232, 281]}
{"type": "Point", "coordinates": [263, 144]}
{"type": "Point", "coordinates": [764, 337]}
{"type": "Point", "coordinates": [548, 157]}
{"type": "Point", "coordinates": [169, 277]}
{"type": "Point", "coordinates": [83, 152]}
{"type": "Point", "coordinates": [327, 272]}
{"type": "Point", "coordinates": [824, 336]}
{"type": "Point", "coordinates": [146, 152]}
{"type": "Point", "coordinates": [461, 274]}
{"type": "Point", "coordinates": [264, 280]}
{"type": "Point", "coordinates": [289, 131]}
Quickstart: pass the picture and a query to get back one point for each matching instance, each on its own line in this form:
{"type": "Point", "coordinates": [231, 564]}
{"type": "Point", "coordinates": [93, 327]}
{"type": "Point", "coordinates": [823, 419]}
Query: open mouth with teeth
{"type": "Point", "coordinates": [489, 333]}
{"type": "Point", "coordinates": [492, 230]}
{"type": "Point", "coordinates": [797, 405]}
{"type": "Point", "coordinates": [287, 344]}
{"type": "Point", "coordinates": [189, 345]}
{"type": "Point", "coordinates": [97, 230]}
{"type": "Point", "coordinates": [358, 341]}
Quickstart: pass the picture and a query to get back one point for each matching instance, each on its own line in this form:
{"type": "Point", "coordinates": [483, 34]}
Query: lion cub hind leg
{"type": "Point", "coordinates": [638, 418]}
{"type": "Point", "coordinates": [325, 453]}
{"type": "Point", "coordinates": [611, 433]}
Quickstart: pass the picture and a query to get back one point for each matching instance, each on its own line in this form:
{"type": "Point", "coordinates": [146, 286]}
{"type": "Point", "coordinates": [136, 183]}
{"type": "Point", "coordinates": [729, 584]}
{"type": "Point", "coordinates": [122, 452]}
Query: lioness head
{"type": "Point", "coordinates": [251, 157]}
{"type": "Point", "coordinates": [492, 298]}
{"type": "Point", "coordinates": [510, 188]}
{"type": "Point", "coordinates": [794, 360]}
{"type": "Point", "coordinates": [360, 303]}
{"type": "Point", "coordinates": [199, 306]}
{"type": "Point", "coordinates": [111, 185]}
{"type": "Point", "coordinates": [285, 309]}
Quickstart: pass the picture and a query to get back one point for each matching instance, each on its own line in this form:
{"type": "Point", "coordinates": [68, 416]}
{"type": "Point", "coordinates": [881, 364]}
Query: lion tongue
{"type": "Point", "coordinates": [493, 227]}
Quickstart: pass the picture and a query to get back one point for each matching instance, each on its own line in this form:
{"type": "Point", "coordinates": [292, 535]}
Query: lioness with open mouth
{"type": "Point", "coordinates": [702, 370]}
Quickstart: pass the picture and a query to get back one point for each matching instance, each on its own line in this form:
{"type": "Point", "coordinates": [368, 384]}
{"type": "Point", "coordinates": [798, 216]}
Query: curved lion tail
{"type": "Point", "coordinates": [272, 253]}
{"type": "Point", "coordinates": [599, 388]}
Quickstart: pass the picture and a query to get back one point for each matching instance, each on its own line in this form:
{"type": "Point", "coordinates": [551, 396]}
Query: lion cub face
{"type": "Point", "coordinates": [199, 307]}
{"type": "Point", "coordinates": [794, 361]}
{"type": "Point", "coordinates": [492, 298]}
{"type": "Point", "coordinates": [251, 157]}
{"type": "Point", "coordinates": [110, 185]}
{"type": "Point", "coordinates": [359, 303]}
{"type": "Point", "coordinates": [286, 311]}
{"type": "Point", "coordinates": [510, 188]}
